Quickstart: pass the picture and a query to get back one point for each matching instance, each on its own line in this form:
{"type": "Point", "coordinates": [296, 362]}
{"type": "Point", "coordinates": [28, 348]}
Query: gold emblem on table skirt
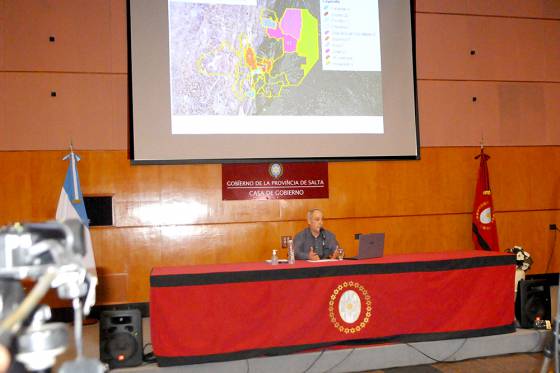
{"type": "Point", "coordinates": [346, 307]}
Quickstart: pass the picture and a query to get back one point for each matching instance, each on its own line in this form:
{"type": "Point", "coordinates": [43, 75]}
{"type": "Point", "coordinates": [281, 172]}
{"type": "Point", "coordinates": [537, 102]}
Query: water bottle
{"type": "Point", "coordinates": [274, 259]}
{"type": "Point", "coordinates": [291, 254]}
{"type": "Point", "coordinates": [339, 253]}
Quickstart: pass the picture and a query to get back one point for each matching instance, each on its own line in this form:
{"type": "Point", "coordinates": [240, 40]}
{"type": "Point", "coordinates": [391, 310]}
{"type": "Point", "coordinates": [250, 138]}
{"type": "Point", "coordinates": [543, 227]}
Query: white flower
{"type": "Point", "coordinates": [523, 259]}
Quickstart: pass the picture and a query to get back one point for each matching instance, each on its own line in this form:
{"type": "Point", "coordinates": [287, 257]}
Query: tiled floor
{"type": "Point", "coordinates": [516, 363]}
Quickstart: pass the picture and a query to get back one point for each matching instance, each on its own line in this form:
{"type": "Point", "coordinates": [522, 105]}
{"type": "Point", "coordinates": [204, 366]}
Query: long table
{"type": "Point", "coordinates": [210, 313]}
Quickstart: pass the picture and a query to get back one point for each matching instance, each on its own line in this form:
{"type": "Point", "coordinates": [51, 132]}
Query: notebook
{"type": "Point", "coordinates": [370, 246]}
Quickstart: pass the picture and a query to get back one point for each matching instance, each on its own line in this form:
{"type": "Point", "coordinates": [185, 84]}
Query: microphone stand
{"type": "Point", "coordinates": [551, 343]}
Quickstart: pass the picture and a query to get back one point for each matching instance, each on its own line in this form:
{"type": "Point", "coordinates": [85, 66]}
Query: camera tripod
{"type": "Point", "coordinates": [551, 344]}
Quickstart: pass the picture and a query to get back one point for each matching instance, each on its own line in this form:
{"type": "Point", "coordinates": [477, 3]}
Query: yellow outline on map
{"type": "Point", "coordinates": [253, 74]}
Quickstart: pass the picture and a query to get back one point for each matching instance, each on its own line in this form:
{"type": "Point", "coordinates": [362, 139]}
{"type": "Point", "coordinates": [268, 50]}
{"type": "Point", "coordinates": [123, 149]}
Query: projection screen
{"type": "Point", "coordinates": [243, 80]}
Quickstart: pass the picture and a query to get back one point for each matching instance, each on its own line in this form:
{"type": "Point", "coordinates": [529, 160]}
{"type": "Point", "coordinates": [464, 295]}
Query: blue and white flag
{"type": "Point", "coordinates": [71, 206]}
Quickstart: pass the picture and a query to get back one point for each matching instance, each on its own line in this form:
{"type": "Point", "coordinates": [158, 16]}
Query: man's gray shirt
{"type": "Point", "coordinates": [324, 245]}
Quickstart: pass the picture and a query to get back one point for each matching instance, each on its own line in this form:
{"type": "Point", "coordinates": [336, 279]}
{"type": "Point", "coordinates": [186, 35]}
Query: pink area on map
{"type": "Point", "coordinates": [291, 23]}
{"type": "Point", "coordinates": [290, 44]}
{"type": "Point", "coordinates": [274, 33]}
{"type": "Point", "coordinates": [289, 29]}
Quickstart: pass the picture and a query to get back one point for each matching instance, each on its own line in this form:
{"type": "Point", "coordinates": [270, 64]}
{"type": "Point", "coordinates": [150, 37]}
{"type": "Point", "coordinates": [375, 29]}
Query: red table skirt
{"type": "Point", "coordinates": [228, 312]}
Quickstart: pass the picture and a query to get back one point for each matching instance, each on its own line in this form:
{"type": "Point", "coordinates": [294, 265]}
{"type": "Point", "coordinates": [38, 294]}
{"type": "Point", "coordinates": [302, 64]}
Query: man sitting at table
{"type": "Point", "coordinates": [314, 242]}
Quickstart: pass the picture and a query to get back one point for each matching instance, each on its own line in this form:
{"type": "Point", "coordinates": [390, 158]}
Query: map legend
{"type": "Point", "coordinates": [350, 35]}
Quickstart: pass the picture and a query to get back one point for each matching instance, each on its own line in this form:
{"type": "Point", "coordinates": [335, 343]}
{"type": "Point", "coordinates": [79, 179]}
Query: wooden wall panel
{"type": "Point", "coordinates": [85, 35]}
{"type": "Point", "coordinates": [143, 248]}
{"type": "Point", "coordinates": [118, 36]}
{"type": "Point", "coordinates": [519, 181]}
{"type": "Point", "coordinates": [504, 113]}
{"type": "Point", "coordinates": [16, 182]}
{"type": "Point", "coordinates": [2, 33]}
{"type": "Point", "coordinates": [530, 229]}
{"type": "Point", "coordinates": [174, 215]}
{"type": "Point", "coordinates": [512, 8]}
{"type": "Point", "coordinates": [112, 288]}
{"type": "Point", "coordinates": [421, 205]}
{"type": "Point", "coordinates": [505, 49]}
{"type": "Point", "coordinates": [90, 110]}
{"type": "Point", "coordinates": [441, 182]}
{"type": "Point", "coordinates": [113, 246]}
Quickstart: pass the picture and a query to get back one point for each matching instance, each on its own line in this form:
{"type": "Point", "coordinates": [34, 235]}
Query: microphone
{"type": "Point", "coordinates": [324, 239]}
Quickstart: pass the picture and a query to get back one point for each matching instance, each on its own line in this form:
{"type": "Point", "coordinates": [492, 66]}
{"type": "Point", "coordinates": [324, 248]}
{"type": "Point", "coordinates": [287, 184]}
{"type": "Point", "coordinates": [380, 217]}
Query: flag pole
{"type": "Point", "coordinates": [74, 177]}
{"type": "Point", "coordinates": [74, 198]}
{"type": "Point", "coordinates": [482, 154]}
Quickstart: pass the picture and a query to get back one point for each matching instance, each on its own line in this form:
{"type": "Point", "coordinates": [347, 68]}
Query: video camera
{"type": "Point", "coordinates": [51, 254]}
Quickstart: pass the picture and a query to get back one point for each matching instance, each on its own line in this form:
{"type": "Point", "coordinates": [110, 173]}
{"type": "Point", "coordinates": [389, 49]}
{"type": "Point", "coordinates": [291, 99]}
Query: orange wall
{"type": "Point", "coordinates": [173, 214]}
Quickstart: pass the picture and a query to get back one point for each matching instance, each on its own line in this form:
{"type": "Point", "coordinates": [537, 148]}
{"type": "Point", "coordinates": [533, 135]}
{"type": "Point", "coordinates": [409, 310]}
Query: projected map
{"type": "Point", "coordinates": [256, 73]}
{"type": "Point", "coordinates": [273, 58]}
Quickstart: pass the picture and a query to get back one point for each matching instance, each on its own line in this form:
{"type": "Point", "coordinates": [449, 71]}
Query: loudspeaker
{"type": "Point", "coordinates": [120, 338]}
{"type": "Point", "coordinates": [533, 300]}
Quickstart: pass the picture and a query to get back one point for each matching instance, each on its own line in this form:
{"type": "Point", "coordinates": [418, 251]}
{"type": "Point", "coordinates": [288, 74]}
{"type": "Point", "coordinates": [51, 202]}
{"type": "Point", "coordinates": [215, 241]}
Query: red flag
{"type": "Point", "coordinates": [484, 231]}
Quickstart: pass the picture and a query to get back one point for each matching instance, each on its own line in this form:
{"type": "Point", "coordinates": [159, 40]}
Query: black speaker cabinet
{"type": "Point", "coordinates": [120, 338]}
{"type": "Point", "coordinates": [533, 300]}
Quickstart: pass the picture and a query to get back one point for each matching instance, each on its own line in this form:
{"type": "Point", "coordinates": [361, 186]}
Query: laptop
{"type": "Point", "coordinates": [370, 246]}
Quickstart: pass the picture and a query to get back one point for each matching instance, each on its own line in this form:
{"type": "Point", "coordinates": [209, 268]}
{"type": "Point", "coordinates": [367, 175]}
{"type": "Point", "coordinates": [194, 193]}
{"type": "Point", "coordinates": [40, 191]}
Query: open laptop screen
{"type": "Point", "coordinates": [370, 246]}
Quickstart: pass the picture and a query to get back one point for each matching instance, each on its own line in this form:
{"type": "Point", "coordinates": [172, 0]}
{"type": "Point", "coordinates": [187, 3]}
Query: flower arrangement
{"type": "Point", "coordinates": [523, 259]}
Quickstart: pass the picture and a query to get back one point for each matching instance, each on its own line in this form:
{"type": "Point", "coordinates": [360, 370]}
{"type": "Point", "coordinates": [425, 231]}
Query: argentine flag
{"type": "Point", "coordinates": [71, 206]}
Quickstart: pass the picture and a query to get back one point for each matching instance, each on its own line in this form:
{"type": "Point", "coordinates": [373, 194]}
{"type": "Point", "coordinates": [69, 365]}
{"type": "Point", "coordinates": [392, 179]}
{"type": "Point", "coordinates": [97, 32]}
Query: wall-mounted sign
{"type": "Point", "coordinates": [275, 180]}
